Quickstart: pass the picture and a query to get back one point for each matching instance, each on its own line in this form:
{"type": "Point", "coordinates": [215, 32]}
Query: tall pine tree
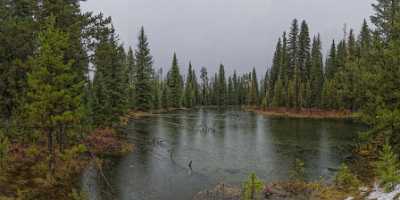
{"type": "Point", "coordinates": [144, 74]}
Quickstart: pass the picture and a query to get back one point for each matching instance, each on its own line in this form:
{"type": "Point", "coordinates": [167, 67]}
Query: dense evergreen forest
{"type": "Point", "coordinates": [64, 74]}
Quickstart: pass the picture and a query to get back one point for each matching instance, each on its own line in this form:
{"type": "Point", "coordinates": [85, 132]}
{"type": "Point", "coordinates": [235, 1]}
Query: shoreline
{"type": "Point", "coordinates": [29, 162]}
{"type": "Point", "coordinates": [132, 114]}
{"type": "Point", "coordinates": [303, 113]}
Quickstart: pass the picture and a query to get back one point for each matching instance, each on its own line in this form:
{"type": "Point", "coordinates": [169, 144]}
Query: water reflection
{"type": "Point", "coordinates": [224, 145]}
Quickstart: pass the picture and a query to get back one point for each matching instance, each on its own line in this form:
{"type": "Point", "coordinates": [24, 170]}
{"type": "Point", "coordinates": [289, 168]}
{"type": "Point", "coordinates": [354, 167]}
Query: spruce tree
{"type": "Point", "coordinates": [189, 93]}
{"type": "Point", "coordinates": [54, 94]}
{"type": "Point", "coordinates": [18, 42]}
{"type": "Point", "coordinates": [387, 14]}
{"type": "Point", "coordinates": [341, 55]}
{"type": "Point", "coordinates": [175, 84]}
{"type": "Point", "coordinates": [254, 92]}
{"type": "Point", "coordinates": [236, 89]}
{"type": "Point", "coordinates": [293, 48]}
{"type": "Point", "coordinates": [303, 54]}
{"type": "Point", "coordinates": [265, 93]}
{"type": "Point", "coordinates": [331, 62]}
{"type": "Point", "coordinates": [352, 47]}
{"type": "Point", "coordinates": [204, 86]}
{"type": "Point", "coordinates": [144, 74]}
{"type": "Point", "coordinates": [196, 89]}
{"type": "Point", "coordinates": [276, 67]}
{"type": "Point", "coordinates": [221, 98]}
{"type": "Point", "coordinates": [164, 95]}
{"type": "Point", "coordinates": [131, 67]}
{"type": "Point", "coordinates": [317, 74]}
{"type": "Point", "coordinates": [364, 39]}
{"type": "Point", "coordinates": [157, 93]}
{"type": "Point", "coordinates": [69, 18]}
{"type": "Point", "coordinates": [230, 91]}
{"type": "Point", "coordinates": [280, 95]}
{"type": "Point", "coordinates": [111, 82]}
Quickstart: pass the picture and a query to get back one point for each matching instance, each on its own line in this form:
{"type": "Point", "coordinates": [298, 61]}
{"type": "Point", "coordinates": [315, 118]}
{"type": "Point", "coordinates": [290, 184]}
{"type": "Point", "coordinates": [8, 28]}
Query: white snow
{"type": "Point", "coordinates": [379, 193]}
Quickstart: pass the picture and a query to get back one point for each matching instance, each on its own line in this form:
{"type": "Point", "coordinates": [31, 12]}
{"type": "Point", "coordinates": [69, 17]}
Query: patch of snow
{"type": "Point", "coordinates": [349, 198]}
{"type": "Point", "coordinates": [379, 193]}
{"type": "Point", "coordinates": [363, 189]}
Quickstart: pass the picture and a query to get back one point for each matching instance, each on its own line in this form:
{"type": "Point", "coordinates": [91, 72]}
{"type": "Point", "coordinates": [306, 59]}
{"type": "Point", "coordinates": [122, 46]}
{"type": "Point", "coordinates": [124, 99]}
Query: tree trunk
{"type": "Point", "coordinates": [51, 151]}
{"type": "Point", "coordinates": [61, 138]}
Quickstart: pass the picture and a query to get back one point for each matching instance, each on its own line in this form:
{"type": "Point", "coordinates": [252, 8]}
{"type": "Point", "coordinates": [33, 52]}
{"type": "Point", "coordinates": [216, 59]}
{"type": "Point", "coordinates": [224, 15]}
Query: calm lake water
{"type": "Point", "coordinates": [223, 146]}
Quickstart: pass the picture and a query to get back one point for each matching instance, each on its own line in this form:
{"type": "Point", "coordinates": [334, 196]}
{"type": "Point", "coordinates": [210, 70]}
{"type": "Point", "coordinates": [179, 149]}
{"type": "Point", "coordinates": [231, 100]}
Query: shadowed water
{"type": "Point", "coordinates": [223, 146]}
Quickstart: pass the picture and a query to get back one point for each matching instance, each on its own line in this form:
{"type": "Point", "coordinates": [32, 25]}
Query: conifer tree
{"type": "Point", "coordinates": [54, 95]}
{"type": "Point", "coordinates": [189, 94]}
{"type": "Point", "coordinates": [111, 82]}
{"type": "Point", "coordinates": [364, 40]}
{"type": "Point", "coordinates": [254, 93]}
{"type": "Point", "coordinates": [303, 54]}
{"type": "Point", "coordinates": [284, 69]}
{"type": "Point", "coordinates": [331, 62]}
{"type": "Point", "coordinates": [236, 88]}
{"type": "Point", "coordinates": [341, 55]}
{"type": "Point", "coordinates": [204, 86]}
{"type": "Point", "coordinates": [276, 67]}
{"type": "Point", "coordinates": [317, 74]}
{"type": "Point", "coordinates": [352, 46]}
{"type": "Point", "coordinates": [196, 89]}
{"type": "Point", "coordinates": [131, 67]}
{"type": "Point", "coordinates": [68, 18]}
{"type": "Point", "coordinates": [18, 43]}
{"type": "Point", "coordinates": [175, 84]}
{"type": "Point", "coordinates": [157, 90]}
{"type": "Point", "coordinates": [264, 91]}
{"type": "Point", "coordinates": [387, 14]}
{"type": "Point", "coordinates": [144, 74]}
{"type": "Point", "coordinates": [230, 92]}
{"type": "Point", "coordinates": [164, 95]}
{"type": "Point", "coordinates": [293, 48]}
{"type": "Point", "coordinates": [221, 99]}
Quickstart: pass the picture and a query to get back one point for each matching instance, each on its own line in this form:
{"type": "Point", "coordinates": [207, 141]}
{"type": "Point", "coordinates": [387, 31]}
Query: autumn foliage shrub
{"type": "Point", "coordinates": [105, 142]}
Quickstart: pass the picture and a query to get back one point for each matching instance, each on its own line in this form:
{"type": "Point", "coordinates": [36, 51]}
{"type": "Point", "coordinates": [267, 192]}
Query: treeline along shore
{"type": "Point", "coordinates": [67, 83]}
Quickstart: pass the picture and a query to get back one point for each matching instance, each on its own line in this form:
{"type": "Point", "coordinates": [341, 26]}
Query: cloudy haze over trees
{"type": "Point", "coordinates": [241, 34]}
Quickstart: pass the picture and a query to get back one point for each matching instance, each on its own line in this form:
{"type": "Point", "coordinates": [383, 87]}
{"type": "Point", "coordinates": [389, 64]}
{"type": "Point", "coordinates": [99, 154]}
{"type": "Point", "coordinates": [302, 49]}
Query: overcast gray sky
{"type": "Point", "coordinates": [238, 33]}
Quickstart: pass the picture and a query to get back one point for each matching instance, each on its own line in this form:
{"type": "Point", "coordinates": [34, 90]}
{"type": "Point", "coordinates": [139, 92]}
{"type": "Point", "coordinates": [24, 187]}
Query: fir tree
{"type": "Point", "coordinates": [189, 94]}
{"type": "Point", "coordinates": [54, 95]}
{"type": "Point", "coordinates": [236, 88]}
{"type": "Point", "coordinates": [293, 48]}
{"type": "Point", "coordinates": [317, 74]}
{"type": "Point", "coordinates": [18, 43]}
{"type": "Point", "coordinates": [157, 93]}
{"type": "Point", "coordinates": [144, 74]}
{"type": "Point", "coordinates": [303, 54]}
{"type": "Point", "coordinates": [175, 84]}
{"type": "Point", "coordinates": [131, 67]}
{"type": "Point", "coordinates": [331, 62]}
{"type": "Point", "coordinates": [276, 67]}
{"type": "Point", "coordinates": [111, 82]}
{"type": "Point", "coordinates": [387, 14]}
{"type": "Point", "coordinates": [164, 96]}
{"type": "Point", "coordinates": [221, 99]}
{"type": "Point", "coordinates": [230, 91]}
{"type": "Point", "coordinates": [364, 40]}
{"type": "Point", "coordinates": [254, 93]}
{"type": "Point", "coordinates": [387, 168]}
{"type": "Point", "coordinates": [204, 86]}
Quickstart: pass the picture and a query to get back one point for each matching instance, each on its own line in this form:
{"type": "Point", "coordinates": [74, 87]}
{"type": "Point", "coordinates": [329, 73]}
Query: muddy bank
{"type": "Point", "coordinates": [304, 113]}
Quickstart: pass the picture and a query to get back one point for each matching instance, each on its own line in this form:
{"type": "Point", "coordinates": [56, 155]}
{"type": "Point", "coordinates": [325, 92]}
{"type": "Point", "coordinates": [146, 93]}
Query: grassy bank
{"type": "Point", "coordinates": [139, 114]}
{"type": "Point", "coordinates": [303, 113]}
{"type": "Point", "coordinates": [25, 173]}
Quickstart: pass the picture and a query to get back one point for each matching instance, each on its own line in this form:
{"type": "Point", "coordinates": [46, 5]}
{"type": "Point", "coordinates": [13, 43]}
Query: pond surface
{"type": "Point", "coordinates": [223, 146]}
